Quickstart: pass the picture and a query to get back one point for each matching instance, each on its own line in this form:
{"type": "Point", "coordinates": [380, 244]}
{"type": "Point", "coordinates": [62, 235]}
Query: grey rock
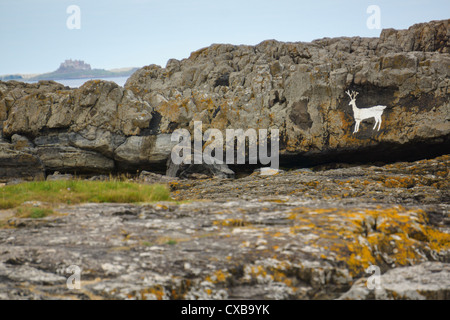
{"type": "Point", "coordinates": [150, 177]}
{"type": "Point", "coordinates": [199, 171]}
{"type": "Point", "coordinates": [299, 234]}
{"type": "Point", "coordinates": [16, 164]}
{"type": "Point", "coordinates": [99, 178]}
{"type": "Point", "coordinates": [21, 143]}
{"type": "Point", "coordinates": [97, 140]}
{"type": "Point", "coordinates": [144, 150]}
{"type": "Point", "coordinates": [295, 87]}
{"type": "Point", "coordinates": [299, 89]}
{"type": "Point", "coordinates": [426, 281]}
{"type": "Point", "coordinates": [58, 176]}
{"type": "Point", "coordinates": [30, 274]}
{"type": "Point", "coordinates": [70, 159]}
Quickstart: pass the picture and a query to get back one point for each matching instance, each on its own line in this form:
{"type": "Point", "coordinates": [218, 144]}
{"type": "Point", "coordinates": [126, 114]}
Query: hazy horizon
{"type": "Point", "coordinates": [124, 34]}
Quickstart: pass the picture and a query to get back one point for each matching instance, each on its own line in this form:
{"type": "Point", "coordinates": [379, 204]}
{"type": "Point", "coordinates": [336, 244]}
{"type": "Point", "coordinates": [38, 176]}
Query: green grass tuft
{"type": "Point", "coordinates": [33, 212]}
{"type": "Point", "coordinates": [37, 213]}
{"type": "Point", "coordinates": [81, 191]}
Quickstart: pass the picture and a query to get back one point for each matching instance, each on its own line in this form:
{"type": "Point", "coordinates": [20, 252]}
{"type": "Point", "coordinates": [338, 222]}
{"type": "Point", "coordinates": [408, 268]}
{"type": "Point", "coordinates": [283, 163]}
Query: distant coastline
{"type": "Point", "coordinates": [76, 83]}
{"type": "Point", "coordinates": [72, 69]}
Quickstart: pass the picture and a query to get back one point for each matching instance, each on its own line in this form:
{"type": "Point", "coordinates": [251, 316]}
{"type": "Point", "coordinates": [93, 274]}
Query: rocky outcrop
{"type": "Point", "coordinates": [429, 37]}
{"type": "Point", "coordinates": [19, 165]}
{"type": "Point", "coordinates": [93, 128]}
{"type": "Point", "coordinates": [202, 170]}
{"type": "Point", "coordinates": [299, 234]}
{"type": "Point", "coordinates": [298, 88]}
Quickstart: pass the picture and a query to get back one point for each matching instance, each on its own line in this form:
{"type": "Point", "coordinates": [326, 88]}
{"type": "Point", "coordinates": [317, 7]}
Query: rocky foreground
{"type": "Point", "coordinates": [299, 234]}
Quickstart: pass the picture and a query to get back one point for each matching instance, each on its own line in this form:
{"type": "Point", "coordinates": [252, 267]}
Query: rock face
{"type": "Point", "coordinates": [204, 170]}
{"type": "Point", "coordinates": [298, 88]}
{"type": "Point", "coordinates": [18, 165]}
{"type": "Point", "coordinates": [310, 237]}
{"type": "Point", "coordinates": [90, 129]}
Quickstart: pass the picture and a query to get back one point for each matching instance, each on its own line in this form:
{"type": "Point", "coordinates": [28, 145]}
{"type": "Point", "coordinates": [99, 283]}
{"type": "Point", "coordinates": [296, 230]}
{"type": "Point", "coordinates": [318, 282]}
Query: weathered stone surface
{"type": "Point", "coordinates": [21, 143]}
{"type": "Point", "coordinates": [144, 150]}
{"type": "Point", "coordinates": [79, 129]}
{"type": "Point", "coordinates": [298, 234]}
{"type": "Point", "coordinates": [428, 280]}
{"type": "Point", "coordinates": [150, 177]}
{"type": "Point", "coordinates": [298, 88]}
{"type": "Point", "coordinates": [206, 168]}
{"type": "Point", "coordinates": [433, 36]}
{"type": "Point", "coordinates": [58, 176]}
{"type": "Point", "coordinates": [16, 164]}
{"type": "Point", "coordinates": [98, 140]}
{"type": "Point", "coordinates": [70, 159]}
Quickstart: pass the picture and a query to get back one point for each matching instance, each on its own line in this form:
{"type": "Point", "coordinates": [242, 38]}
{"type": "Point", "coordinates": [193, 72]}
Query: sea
{"type": "Point", "coordinates": [76, 83]}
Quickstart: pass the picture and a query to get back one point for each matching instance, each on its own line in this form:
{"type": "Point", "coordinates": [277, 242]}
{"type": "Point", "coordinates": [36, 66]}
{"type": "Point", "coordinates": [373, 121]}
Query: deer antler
{"type": "Point", "coordinates": [352, 95]}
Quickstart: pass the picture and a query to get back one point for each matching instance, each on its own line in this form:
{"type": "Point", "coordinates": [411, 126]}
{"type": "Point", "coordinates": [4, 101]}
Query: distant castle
{"type": "Point", "coordinates": [73, 65]}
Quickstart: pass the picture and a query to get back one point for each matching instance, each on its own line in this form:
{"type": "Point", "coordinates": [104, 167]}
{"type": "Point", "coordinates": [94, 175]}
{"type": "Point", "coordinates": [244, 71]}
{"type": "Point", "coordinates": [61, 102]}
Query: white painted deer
{"type": "Point", "coordinates": [366, 113]}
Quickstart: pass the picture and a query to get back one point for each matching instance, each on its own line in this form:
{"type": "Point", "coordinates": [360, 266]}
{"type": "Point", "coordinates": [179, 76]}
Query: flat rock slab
{"type": "Point", "coordinates": [300, 234]}
{"type": "Point", "coordinates": [429, 280]}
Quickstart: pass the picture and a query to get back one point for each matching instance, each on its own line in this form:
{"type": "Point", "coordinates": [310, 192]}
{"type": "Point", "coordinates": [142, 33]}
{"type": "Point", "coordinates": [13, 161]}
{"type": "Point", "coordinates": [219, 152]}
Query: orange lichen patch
{"type": "Point", "coordinates": [199, 53]}
{"type": "Point", "coordinates": [305, 210]}
{"type": "Point", "coordinates": [277, 234]}
{"type": "Point", "coordinates": [294, 229]}
{"type": "Point", "coordinates": [346, 119]}
{"type": "Point", "coordinates": [171, 109]}
{"type": "Point", "coordinates": [279, 276]}
{"type": "Point", "coordinates": [292, 144]}
{"type": "Point", "coordinates": [256, 271]}
{"type": "Point", "coordinates": [422, 167]}
{"type": "Point", "coordinates": [360, 256]}
{"type": "Point", "coordinates": [280, 272]}
{"type": "Point", "coordinates": [203, 102]}
{"type": "Point", "coordinates": [232, 223]}
{"type": "Point", "coordinates": [399, 232]}
{"type": "Point", "coordinates": [400, 182]}
{"type": "Point", "coordinates": [218, 277]}
{"type": "Point", "coordinates": [443, 173]}
{"type": "Point", "coordinates": [272, 200]}
{"type": "Point", "coordinates": [359, 238]}
{"type": "Point", "coordinates": [312, 184]}
{"type": "Point", "coordinates": [157, 292]}
{"type": "Point", "coordinates": [437, 240]}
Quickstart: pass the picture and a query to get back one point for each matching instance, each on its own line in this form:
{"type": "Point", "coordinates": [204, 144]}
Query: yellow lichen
{"type": "Point", "coordinates": [232, 223]}
{"type": "Point", "coordinates": [157, 291]}
{"type": "Point", "coordinates": [360, 236]}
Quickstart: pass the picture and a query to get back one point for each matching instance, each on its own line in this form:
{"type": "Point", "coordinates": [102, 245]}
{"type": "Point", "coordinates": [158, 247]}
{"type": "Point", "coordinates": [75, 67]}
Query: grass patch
{"type": "Point", "coordinates": [37, 213]}
{"type": "Point", "coordinates": [33, 212]}
{"type": "Point", "coordinates": [81, 191]}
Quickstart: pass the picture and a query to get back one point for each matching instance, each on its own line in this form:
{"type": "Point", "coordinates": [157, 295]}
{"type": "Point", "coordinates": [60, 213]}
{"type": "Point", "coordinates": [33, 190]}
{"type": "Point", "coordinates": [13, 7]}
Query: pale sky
{"type": "Point", "coordinates": [34, 37]}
